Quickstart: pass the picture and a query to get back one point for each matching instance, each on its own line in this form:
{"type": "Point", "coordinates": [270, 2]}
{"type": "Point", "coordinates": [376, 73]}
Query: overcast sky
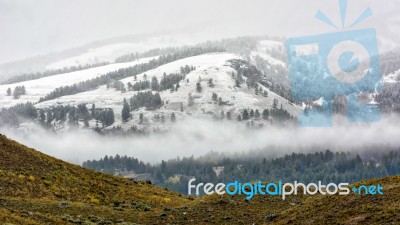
{"type": "Point", "coordinates": [32, 27]}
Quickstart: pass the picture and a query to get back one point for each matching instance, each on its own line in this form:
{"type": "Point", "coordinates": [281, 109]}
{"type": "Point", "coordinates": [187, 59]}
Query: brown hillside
{"type": "Point", "coordinates": [39, 189]}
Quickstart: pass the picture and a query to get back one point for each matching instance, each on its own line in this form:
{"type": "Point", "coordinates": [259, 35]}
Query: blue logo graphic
{"type": "Point", "coordinates": [324, 66]}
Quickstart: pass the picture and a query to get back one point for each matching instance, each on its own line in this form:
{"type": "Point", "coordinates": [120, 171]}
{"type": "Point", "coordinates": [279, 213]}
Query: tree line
{"type": "Point", "coordinates": [18, 91]}
{"type": "Point", "coordinates": [123, 73]}
{"type": "Point", "coordinates": [48, 73]}
{"type": "Point", "coordinates": [325, 166]}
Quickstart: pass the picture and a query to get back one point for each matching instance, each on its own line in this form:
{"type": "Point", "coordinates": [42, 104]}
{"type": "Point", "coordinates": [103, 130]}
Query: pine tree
{"type": "Point", "coordinates": [173, 118]}
{"type": "Point", "coordinates": [229, 115]}
{"type": "Point", "coordinates": [42, 116]}
{"type": "Point", "coordinates": [9, 91]}
{"type": "Point", "coordinates": [252, 113]}
{"type": "Point", "coordinates": [214, 96]}
{"type": "Point", "coordinates": [265, 114]}
{"type": "Point", "coordinates": [190, 99]}
{"type": "Point", "coordinates": [198, 87]}
{"type": "Point", "coordinates": [245, 114]}
{"type": "Point", "coordinates": [154, 84]}
{"type": "Point", "coordinates": [275, 104]}
{"type": "Point", "coordinates": [220, 101]}
{"type": "Point", "coordinates": [16, 93]}
{"type": "Point", "coordinates": [125, 111]}
{"type": "Point", "coordinates": [130, 86]}
{"type": "Point", "coordinates": [141, 118]}
{"type": "Point", "coordinates": [93, 111]}
{"type": "Point", "coordinates": [237, 83]}
{"type": "Point", "coordinates": [257, 114]}
{"type": "Point", "coordinates": [72, 116]}
{"type": "Point", "coordinates": [210, 83]}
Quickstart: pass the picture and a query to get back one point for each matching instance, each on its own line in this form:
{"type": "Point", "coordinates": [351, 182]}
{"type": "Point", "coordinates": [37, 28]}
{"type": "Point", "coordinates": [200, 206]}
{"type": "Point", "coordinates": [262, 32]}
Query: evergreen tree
{"type": "Point", "coordinates": [72, 116]}
{"type": "Point", "coordinates": [83, 112]}
{"type": "Point", "coordinates": [141, 118]}
{"type": "Point", "coordinates": [257, 114]}
{"type": "Point", "coordinates": [245, 114]}
{"type": "Point", "coordinates": [9, 91]}
{"type": "Point", "coordinates": [49, 117]}
{"type": "Point", "coordinates": [130, 86]}
{"type": "Point", "coordinates": [198, 87]}
{"type": "Point", "coordinates": [93, 111]}
{"type": "Point", "coordinates": [251, 113]}
{"type": "Point", "coordinates": [16, 93]}
{"type": "Point", "coordinates": [42, 116]}
{"type": "Point", "coordinates": [173, 118]}
{"type": "Point", "coordinates": [210, 83]}
{"type": "Point", "coordinates": [229, 115]}
{"type": "Point", "coordinates": [275, 104]}
{"type": "Point", "coordinates": [237, 83]}
{"type": "Point", "coordinates": [265, 114]}
{"type": "Point", "coordinates": [154, 84]}
{"type": "Point", "coordinates": [214, 96]}
{"type": "Point", "coordinates": [126, 112]}
{"type": "Point", "coordinates": [190, 99]}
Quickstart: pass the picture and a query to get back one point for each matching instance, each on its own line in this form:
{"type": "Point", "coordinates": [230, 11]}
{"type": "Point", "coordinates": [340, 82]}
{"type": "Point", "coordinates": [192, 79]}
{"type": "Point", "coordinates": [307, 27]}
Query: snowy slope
{"type": "Point", "coordinates": [38, 88]}
{"type": "Point", "coordinates": [265, 48]}
{"type": "Point", "coordinates": [392, 78]}
{"type": "Point", "coordinates": [208, 66]}
{"type": "Point", "coordinates": [108, 53]}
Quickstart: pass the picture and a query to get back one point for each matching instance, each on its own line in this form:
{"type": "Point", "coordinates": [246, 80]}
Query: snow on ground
{"type": "Point", "coordinates": [208, 66]}
{"type": "Point", "coordinates": [109, 53]}
{"type": "Point", "coordinates": [392, 78]}
{"type": "Point", "coordinates": [268, 58]}
{"type": "Point", "coordinates": [264, 49]}
{"type": "Point", "coordinates": [38, 88]}
{"type": "Point", "coordinates": [266, 45]}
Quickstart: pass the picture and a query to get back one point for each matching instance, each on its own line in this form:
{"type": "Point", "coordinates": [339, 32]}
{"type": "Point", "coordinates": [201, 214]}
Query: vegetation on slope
{"type": "Point", "coordinates": [38, 189]}
{"type": "Point", "coordinates": [31, 181]}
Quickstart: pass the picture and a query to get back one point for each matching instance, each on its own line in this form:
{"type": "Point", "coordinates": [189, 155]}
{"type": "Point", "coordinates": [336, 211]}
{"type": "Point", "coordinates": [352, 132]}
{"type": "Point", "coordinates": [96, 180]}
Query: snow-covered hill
{"type": "Point", "coordinates": [38, 88]}
{"type": "Point", "coordinates": [213, 66]}
{"type": "Point", "coordinates": [109, 52]}
{"type": "Point", "coordinates": [268, 57]}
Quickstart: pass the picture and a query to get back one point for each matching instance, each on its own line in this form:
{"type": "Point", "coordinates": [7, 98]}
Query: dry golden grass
{"type": "Point", "coordinates": [39, 189]}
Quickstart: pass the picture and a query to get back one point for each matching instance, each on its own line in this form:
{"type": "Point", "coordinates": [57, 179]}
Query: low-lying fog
{"type": "Point", "coordinates": [198, 137]}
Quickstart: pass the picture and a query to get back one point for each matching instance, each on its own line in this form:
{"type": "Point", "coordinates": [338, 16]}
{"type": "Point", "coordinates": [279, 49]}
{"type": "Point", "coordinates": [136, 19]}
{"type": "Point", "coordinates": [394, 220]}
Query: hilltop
{"type": "Point", "coordinates": [39, 189]}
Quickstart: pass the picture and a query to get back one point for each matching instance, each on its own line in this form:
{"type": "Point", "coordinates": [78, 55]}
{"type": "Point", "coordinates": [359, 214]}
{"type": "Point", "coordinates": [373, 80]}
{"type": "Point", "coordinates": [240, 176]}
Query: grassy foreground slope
{"type": "Point", "coordinates": [34, 186]}
{"type": "Point", "coordinates": [38, 189]}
